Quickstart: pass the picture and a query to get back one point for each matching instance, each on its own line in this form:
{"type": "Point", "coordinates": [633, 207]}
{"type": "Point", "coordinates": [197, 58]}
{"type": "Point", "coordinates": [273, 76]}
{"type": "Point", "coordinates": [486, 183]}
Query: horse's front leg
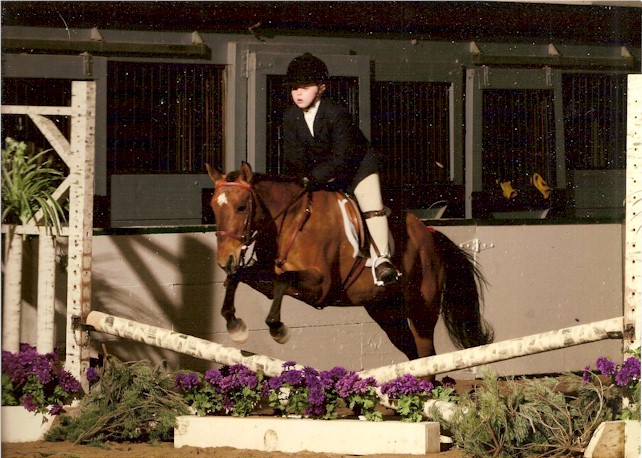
{"type": "Point", "coordinates": [279, 331]}
{"type": "Point", "coordinates": [236, 327]}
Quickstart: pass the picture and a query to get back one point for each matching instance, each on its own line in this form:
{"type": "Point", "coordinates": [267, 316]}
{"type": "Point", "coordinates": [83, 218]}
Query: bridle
{"type": "Point", "coordinates": [248, 237]}
{"type": "Point", "coordinates": [245, 235]}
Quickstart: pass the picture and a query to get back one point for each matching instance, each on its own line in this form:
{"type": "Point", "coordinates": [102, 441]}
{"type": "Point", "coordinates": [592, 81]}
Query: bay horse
{"type": "Point", "coordinates": [300, 248]}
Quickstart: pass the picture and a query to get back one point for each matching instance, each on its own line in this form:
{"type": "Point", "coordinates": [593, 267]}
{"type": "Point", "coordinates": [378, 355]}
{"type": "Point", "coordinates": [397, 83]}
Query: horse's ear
{"type": "Point", "coordinates": [214, 174]}
{"type": "Point", "coordinates": [246, 172]}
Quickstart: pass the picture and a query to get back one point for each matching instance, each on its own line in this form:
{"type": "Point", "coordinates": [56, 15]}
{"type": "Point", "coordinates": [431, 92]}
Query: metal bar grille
{"type": "Point", "coordinates": [595, 121]}
{"type": "Point", "coordinates": [164, 118]}
{"type": "Point", "coordinates": [411, 129]}
{"type": "Point", "coordinates": [34, 92]}
{"type": "Point", "coordinates": [518, 136]}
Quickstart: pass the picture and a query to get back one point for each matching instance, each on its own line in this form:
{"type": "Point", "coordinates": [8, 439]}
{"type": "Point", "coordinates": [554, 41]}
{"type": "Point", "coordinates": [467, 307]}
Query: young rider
{"type": "Point", "coordinates": [324, 148]}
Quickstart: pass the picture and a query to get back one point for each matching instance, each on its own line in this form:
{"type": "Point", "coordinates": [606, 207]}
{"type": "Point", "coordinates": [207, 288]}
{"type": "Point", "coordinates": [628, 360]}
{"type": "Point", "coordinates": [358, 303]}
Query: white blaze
{"type": "Point", "coordinates": [221, 199]}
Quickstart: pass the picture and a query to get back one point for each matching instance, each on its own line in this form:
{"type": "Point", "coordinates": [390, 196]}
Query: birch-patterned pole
{"type": "Point", "coordinates": [183, 343]}
{"type": "Point", "coordinates": [12, 291]}
{"type": "Point", "coordinates": [633, 218]}
{"type": "Point", "coordinates": [81, 197]}
{"type": "Point", "coordinates": [501, 351]}
{"type": "Point", "coordinates": [46, 301]}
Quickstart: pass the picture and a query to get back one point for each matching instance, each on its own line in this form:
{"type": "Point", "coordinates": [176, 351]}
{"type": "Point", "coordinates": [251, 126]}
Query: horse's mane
{"type": "Point", "coordinates": [263, 177]}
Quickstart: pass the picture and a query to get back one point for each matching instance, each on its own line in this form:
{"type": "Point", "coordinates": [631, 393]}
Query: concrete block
{"type": "Point", "coordinates": [615, 439]}
{"type": "Point", "coordinates": [351, 437]}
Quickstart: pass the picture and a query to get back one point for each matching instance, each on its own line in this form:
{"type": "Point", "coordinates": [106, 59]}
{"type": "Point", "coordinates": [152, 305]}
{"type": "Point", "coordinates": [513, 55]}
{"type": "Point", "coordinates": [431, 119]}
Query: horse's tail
{"type": "Point", "coordinates": [462, 294]}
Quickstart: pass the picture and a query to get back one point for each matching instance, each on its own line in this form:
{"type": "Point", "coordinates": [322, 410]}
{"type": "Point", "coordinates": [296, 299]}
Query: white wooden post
{"type": "Point", "coordinates": [46, 301]}
{"type": "Point", "coordinates": [81, 196]}
{"type": "Point", "coordinates": [12, 293]}
{"type": "Point", "coordinates": [633, 217]}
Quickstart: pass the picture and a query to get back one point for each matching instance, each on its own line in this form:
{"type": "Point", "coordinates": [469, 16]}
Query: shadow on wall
{"type": "Point", "coordinates": [165, 280]}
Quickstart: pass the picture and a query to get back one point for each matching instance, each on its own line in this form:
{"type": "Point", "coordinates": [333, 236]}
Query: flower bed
{"type": "Point", "coordinates": [549, 416]}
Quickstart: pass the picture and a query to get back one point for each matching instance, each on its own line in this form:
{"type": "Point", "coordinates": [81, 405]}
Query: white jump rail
{"type": "Point", "coordinates": [210, 351]}
{"type": "Point", "coordinates": [501, 351]}
{"type": "Point", "coordinates": [183, 343]}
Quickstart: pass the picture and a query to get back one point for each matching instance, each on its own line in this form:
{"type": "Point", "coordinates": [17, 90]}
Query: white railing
{"type": "Point", "coordinates": [78, 153]}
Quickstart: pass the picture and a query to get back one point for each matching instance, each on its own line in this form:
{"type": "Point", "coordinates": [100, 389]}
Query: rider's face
{"type": "Point", "coordinates": [304, 95]}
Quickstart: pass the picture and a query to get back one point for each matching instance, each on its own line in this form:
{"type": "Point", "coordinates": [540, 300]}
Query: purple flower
{"type": "Point", "coordinates": [213, 377]}
{"type": "Point", "coordinates": [292, 377]}
{"type": "Point", "coordinates": [316, 396]}
{"type": "Point", "coordinates": [406, 385]}
{"type": "Point", "coordinates": [362, 386]}
{"type": "Point", "coordinates": [29, 403]}
{"type": "Point", "coordinates": [238, 377]}
{"type": "Point", "coordinates": [68, 382]}
{"type": "Point", "coordinates": [630, 371]}
{"type": "Point", "coordinates": [288, 364]}
{"type": "Point", "coordinates": [228, 404]}
{"type": "Point", "coordinates": [448, 382]}
{"type": "Point", "coordinates": [337, 372]}
{"type": "Point", "coordinates": [605, 366]}
{"type": "Point", "coordinates": [186, 381]}
{"type": "Point", "coordinates": [55, 409]}
{"type": "Point", "coordinates": [345, 384]}
{"type": "Point", "coordinates": [310, 375]}
{"type": "Point", "coordinates": [275, 383]}
{"type": "Point", "coordinates": [586, 376]}
{"type": "Point", "coordinates": [92, 375]}
{"type": "Point", "coordinates": [37, 380]}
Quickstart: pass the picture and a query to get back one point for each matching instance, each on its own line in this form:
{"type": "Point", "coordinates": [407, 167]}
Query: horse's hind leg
{"type": "Point", "coordinates": [423, 312]}
{"type": "Point", "coordinates": [236, 327]}
{"type": "Point", "coordinates": [279, 331]}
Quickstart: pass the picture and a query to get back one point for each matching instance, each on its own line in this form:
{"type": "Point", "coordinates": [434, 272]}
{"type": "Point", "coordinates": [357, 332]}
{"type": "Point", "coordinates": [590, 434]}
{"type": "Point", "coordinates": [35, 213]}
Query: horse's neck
{"type": "Point", "coordinates": [278, 197]}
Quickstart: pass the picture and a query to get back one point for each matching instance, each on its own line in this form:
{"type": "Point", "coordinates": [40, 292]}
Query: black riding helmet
{"type": "Point", "coordinates": [306, 69]}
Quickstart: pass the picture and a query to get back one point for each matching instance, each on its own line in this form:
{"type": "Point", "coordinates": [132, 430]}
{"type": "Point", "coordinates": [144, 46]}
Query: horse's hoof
{"type": "Point", "coordinates": [238, 331]}
{"type": "Point", "coordinates": [282, 335]}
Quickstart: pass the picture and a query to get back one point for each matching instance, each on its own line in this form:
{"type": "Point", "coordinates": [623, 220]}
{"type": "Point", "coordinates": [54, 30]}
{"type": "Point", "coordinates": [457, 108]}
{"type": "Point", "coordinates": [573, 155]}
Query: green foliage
{"type": "Point", "coordinates": [546, 417]}
{"type": "Point", "coordinates": [131, 402]}
{"type": "Point", "coordinates": [289, 400]}
{"type": "Point", "coordinates": [444, 393]}
{"type": "Point", "coordinates": [365, 404]}
{"type": "Point", "coordinates": [28, 183]}
{"type": "Point", "coordinates": [245, 399]}
{"type": "Point", "coordinates": [410, 408]}
{"type": "Point", "coordinates": [203, 398]}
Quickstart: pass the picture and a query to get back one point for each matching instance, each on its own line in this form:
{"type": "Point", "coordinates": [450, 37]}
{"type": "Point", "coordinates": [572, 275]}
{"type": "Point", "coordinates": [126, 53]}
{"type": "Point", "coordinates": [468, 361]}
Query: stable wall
{"type": "Point", "coordinates": [541, 277]}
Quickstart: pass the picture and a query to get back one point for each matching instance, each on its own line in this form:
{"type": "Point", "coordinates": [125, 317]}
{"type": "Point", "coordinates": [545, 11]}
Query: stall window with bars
{"type": "Point", "coordinates": [518, 136]}
{"type": "Point", "coordinates": [411, 129]}
{"type": "Point", "coordinates": [164, 118]}
{"type": "Point", "coordinates": [595, 121]}
{"type": "Point", "coordinates": [34, 91]}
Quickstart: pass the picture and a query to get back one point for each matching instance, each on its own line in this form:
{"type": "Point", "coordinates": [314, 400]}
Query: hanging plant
{"type": "Point", "coordinates": [28, 184]}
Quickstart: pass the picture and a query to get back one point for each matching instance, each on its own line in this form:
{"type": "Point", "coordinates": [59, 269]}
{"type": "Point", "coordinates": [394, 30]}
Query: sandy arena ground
{"type": "Point", "coordinates": [167, 450]}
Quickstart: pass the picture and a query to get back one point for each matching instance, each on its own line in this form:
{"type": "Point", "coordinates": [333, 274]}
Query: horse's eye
{"type": "Point", "coordinates": [242, 208]}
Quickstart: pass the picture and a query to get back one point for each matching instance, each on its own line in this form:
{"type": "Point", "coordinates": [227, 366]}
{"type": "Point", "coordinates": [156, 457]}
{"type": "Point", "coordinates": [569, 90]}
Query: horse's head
{"type": "Point", "coordinates": [233, 205]}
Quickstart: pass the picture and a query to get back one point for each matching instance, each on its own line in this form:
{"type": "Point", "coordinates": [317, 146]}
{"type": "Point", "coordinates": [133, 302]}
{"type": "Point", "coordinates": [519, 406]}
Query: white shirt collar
{"type": "Point", "coordinates": [310, 114]}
